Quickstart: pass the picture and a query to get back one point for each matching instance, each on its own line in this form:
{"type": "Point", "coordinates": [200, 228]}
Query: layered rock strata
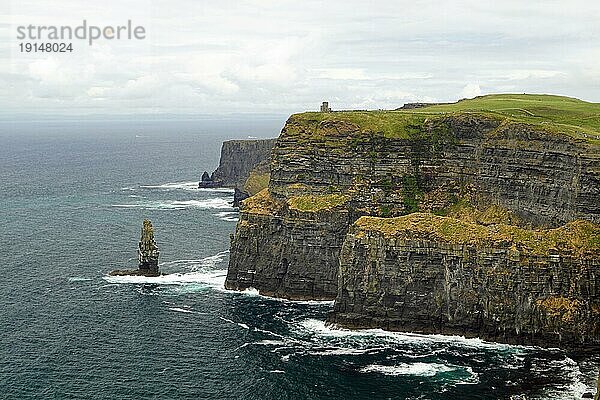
{"type": "Point", "coordinates": [328, 170]}
{"type": "Point", "coordinates": [432, 274]}
{"type": "Point", "coordinates": [540, 177]}
{"type": "Point", "coordinates": [285, 251]}
{"type": "Point", "coordinates": [238, 159]}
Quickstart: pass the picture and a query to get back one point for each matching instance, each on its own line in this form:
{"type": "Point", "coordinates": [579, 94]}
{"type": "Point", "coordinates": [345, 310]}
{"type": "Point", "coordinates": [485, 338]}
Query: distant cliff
{"type": "Point", "coordinates": [239, 158]}
{"type": "Point", "coordinates": [461, 162]}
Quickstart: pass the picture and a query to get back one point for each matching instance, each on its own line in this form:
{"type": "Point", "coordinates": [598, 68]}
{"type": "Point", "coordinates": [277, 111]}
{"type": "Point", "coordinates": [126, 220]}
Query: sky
{"type": "Point", "coordinates": [278, 57]}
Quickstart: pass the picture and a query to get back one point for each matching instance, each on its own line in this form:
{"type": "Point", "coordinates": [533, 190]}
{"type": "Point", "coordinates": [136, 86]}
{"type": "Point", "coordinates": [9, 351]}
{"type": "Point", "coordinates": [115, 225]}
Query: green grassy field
{"type": "Point", "coordinates": [567, 115]}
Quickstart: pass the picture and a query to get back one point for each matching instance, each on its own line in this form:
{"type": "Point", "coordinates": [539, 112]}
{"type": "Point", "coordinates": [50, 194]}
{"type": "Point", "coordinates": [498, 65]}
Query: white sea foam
{"type": "Point", "coordinates": [231, 216]}
{"type": "Point", "coordinates": [202, 272]}
{"type": "Point", "coordinates": [189, 185]}
{"type": "Point", "coordinates": [202, 264]}
{"type": "Point", "coordinates": [417, 369]}
{"type": "Point", "coordinates": [321, 328]}
{"type": "Point", "coordinates": [573, 390]}
{"type": "Point", "coordinates": [182, 310]}
{"type": "Point", "coordinates": [240, 324]}
{"type": "Point", "coordinates": [344, 351]}
{"type": "Point", "coordinates": [210, 278]}
{"type": "Point", "coordinates": [254, 292]}
{"type": "Point", "coordinates": [78, 279]}
{"type": "Point", "coordinates": [215, 203]}
{"type": "Point", "coordinates": [268, 342]}
{"type": "Point", "coordinates": [186, 185]}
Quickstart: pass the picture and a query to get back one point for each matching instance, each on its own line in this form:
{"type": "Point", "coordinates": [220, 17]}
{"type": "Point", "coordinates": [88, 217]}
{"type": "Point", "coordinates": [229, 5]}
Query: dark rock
{"type": "Point", "coordinates": [210, 184]}
{"type": "Point", "coordinates": [481, 287]}
{"type": "Point", "coordinates": [238, 159]}
{"type": "Point", "coordinates": [412, 106]}
{"type": "Point", "coordinates": [287, 255]}
{"type": "Point", "coordinates": [239, 196]}
{"type": "Point", "coordinates": [147, 254]}
{"type": "Point", "coordinates": [244, 165]}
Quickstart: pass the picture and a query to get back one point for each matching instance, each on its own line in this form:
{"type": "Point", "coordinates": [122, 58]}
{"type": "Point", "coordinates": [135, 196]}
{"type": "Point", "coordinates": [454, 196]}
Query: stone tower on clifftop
{"type": "Point", "coordinates": [325, 107]}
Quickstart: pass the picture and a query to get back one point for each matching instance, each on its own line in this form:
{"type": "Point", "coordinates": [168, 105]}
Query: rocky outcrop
{"type": "Point", "coordinates": [147, 254]}
{"type": "Point", "coordinates": [598, 389]}
{"type": "Point", "coordinates": [239, 196]}
{"type": "Point", "coordinates": [207, 182]}
{"type": "Point", "coordinates": [238, 159]}
{"type": "Point", "coordinates": [285, 250]}
{"type": "Point", "coordinates": [431, 274]}
{"type": "Point", "coordinates": [543, 178]}
{"type": "Point", "coordinates": [328, 170]}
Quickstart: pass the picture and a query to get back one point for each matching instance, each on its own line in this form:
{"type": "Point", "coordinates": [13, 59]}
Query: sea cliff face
{"type": "Point", "coordinates": [239, 158]}
{"type": "Point", "coordinates": [432, 274]}
{"type": "Point", "coordinates": [328, 170]}
{"type": "Point", "coordinates": [286, 253]}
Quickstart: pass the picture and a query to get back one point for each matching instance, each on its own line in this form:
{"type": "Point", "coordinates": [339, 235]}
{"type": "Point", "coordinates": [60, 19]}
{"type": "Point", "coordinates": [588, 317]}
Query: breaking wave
{"type": "Point", "coordinates": [200, 273]}
{"type": "Point", "coordinates": [418, 369]}
{"type": "Point", "coordinates": [254, 292]}
{"type": "Point", "coordinates": [187, 185]}
{"type": "Point", "coordinates": [231, 216]}
{"type": "Point", "coordinates": [212, 278]}
{"type": "Point", "coordinates": [216, 203]}
{"type": "Point", "coordinates": [321, 328]}
{"type": "Point", "coordinates": [79, 279]}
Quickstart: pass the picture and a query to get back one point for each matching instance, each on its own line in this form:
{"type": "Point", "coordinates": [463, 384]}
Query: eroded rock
{"type": "Point", "coordinates": [147, 254]}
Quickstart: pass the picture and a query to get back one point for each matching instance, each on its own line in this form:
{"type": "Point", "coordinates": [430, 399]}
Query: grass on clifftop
{"type": "Point", "coordinates": [568, 115]}
{"type": "Point", "coordinates": [578, 237]}
{"type": "Point", "coordinates": [261, 203]}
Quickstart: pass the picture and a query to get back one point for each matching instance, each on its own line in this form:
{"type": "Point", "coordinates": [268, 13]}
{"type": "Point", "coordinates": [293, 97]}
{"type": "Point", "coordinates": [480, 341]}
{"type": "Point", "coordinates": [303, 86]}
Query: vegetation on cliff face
{"type": "Point", "coordinates": [256, 182]}
{"type": "Point", "coordinates": [549, 113]}
{"type": "Point", "coordinates": [261, 203]}
{"type": "Point", "coordinates": [560, 307]}
{"type": "Point", "coordinates": [578, 238]}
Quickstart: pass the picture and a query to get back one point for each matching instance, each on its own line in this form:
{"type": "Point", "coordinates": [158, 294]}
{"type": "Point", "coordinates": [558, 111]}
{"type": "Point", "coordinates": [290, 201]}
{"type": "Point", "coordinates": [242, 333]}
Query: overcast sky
{"type": "Point", "coordinates": [279, 56]}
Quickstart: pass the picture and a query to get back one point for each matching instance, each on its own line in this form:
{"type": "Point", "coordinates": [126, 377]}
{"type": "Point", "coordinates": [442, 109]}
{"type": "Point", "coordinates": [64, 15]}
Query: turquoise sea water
{"type": "Point", "coordinates": [73, 197]}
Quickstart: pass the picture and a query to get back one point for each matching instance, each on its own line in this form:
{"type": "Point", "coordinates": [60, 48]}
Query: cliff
{"type": "Point", "coordinates": [238, 159]}
{"type": "Point", "coordinates": [433, 274]}
{"type": "Point", "coordinates": [531, 161]}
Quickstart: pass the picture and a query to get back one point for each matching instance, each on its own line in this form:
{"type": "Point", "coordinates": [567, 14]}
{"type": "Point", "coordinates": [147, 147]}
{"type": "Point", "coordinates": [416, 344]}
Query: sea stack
{"type": "Point", "coordinates": [148, 251]}
{"type": "Point", "coordinates": [147, 254]}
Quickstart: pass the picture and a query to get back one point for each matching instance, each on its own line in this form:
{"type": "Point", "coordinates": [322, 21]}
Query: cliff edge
{"type": "Point", "coordinates": [519, 164]}
{"type": "Point", "coordinates": [238, 160]}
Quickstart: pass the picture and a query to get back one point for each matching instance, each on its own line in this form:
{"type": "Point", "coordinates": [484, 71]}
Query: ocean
{"type": "Point", "coordinates": [74, 194]}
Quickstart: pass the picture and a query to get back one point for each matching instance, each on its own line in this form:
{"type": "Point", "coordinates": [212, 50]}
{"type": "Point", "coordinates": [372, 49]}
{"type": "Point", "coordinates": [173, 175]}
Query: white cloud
{"type": "Point", "coordinates": [470, 90]}
{"type": "Point", "coordinates": [285, 56]}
